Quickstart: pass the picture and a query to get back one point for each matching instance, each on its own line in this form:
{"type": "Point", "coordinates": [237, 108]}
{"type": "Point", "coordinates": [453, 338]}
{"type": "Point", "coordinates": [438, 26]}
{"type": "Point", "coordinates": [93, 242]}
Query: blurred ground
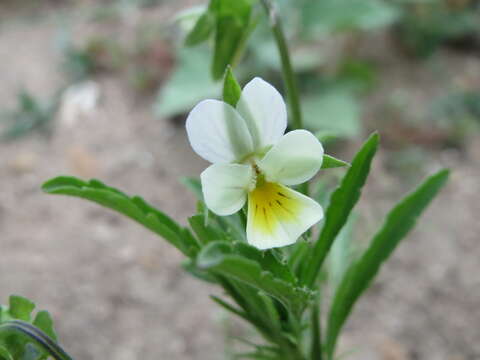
{"type": "Point", "coordinates": [118, 292]}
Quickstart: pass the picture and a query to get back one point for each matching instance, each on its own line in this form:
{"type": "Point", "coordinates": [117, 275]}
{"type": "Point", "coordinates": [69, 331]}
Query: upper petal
{"type": "Point", "coordinates": [264, 111]}
{"type": "Point", "coordinates": [218, 133]}
{"type": "Point", "coordinates": [225, 187]}
{"type": "Point", "coordinates": [296, 158]}
{"type": "Point", "coordinates": [277, 216]}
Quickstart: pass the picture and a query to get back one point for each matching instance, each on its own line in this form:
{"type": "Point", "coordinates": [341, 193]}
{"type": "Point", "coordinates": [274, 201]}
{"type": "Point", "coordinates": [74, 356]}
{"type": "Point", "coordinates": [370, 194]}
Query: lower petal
{"type": "Point", "coordinates": [277, 215]}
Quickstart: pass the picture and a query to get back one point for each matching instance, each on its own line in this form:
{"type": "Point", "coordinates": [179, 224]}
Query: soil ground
{"type": "Point", "coordinates": [118, 292]}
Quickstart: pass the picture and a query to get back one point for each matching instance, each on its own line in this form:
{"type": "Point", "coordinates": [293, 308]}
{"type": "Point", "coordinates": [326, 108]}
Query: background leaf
{"type": "Point", "coordinates": [188, 84]}
{"type": "Point", "coordinates": [202, 29]}
{"type": "Point", "coordinates": [336, 111]}
{"type": "Point", "coordinates": [359, 276]}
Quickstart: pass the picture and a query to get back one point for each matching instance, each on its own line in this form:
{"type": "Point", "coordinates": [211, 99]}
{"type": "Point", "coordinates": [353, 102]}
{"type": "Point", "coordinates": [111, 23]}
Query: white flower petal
{"type": "Point", "coordinates": [225, 187]}
{"type": "Point", "coordinates": [277, 216]}
{"type": "Point", "coordinates": [264, 111]}
{"type": "Point", "coordinates": [296, 158]}
{"type": "Point", "coordinates": [218, 133]}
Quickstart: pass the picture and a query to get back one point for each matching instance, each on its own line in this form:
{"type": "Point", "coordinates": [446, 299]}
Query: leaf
{"type": "Point", "coordinates": [202, 29]}
{"type": "Point", "coordinates": [133, 207]}
{"type": "Point", "coordinates": [20, 307]}
{"type": "Point", "coordinates": [342, 202]}
{"type": "Point", "coordinates": [205, 233]}
{"type": "Point", "coordinates": [397, 225]}
{"type": "Point", "coordinates": [31, 352]}
{"type": "Point", "coordinates": [232, 29]}
{"type": "Point", "coordinates": [189, 83]}
{"type": "Point", "coordinates": [231, 89]}
{"type": "Point", "coordinates": [340, 15]}
{"type": "Point", "coordinates": [335, 111]}
{"type": "Point", "coordinates": [220, 258]}
{"type": "Point", "coordinates": [331, 162]}
{"type": "Point", "coordinates": [4, 354]}
{"type": "Point", "coordinates": [44, 322]}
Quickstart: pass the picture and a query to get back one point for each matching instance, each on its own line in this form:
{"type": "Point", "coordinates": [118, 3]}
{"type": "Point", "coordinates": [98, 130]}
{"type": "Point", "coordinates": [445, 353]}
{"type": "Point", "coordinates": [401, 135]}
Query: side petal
{"type": "Point", "coordinates": [264, 111]}
{"type": "Point", "coordinates": [218, 133]}
{"type": "Point", "coordinates": [296, 158]}
{"type": "Point", "coordinates": [225, 187]}
{"type": "Point", "coordinates": [277, 216]}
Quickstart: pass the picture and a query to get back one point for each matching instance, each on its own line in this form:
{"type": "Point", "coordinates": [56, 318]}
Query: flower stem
{"type": "Point", "coordinates": [287, 70]}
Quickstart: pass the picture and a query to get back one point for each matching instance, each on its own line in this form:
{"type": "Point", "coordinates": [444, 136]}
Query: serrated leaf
{"type": "Point", "coordinates": [342, 203]}
{"type": "Point", "coordinates": [330, 162]}
{"type": "Point", "coordinates": [44, 322]}
{"type": "Point", "coordinates": [133, 207]}
{"type": "Point", "coordinates": [219, 258]}
{"type": "Point", "coordinates": [202, 29]}
{"type": "Point", "coordinates": [231, 89]}
{"type": "Point", "coordinates": [398, 223]}
{"type": "Point", "coordinates": [20, 307]}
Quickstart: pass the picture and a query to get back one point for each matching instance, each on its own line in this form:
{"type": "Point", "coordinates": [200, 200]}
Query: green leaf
{"type": "Point", "coordinates": [331, 162]}
{"type": "Point", "coordinates": [202, 29]}
{"type": "Point", "coordinates": [133, 207]}
{"type": "Point", "coordinates": [229, 40]}
{"type": "Point", "coordinates": [335, 111]}
{"type": "Point", "coordinates": [44, 322]}
{"type": "Point", "coordinates": [342, 202]}
{"type": "Point", "coordinates": [341, 15]}
{"type": "Point", "coordinates": [31, 352]}
{"type": "Point", "coordinates": [205, 233]}
{"type": "Point", "coordinates": [398, 223]}
{"type": "Point", "coordinates": [220, 258]}
{"type": "Point", "coordinates": [231, 89]}
{"type": "Point", "coordinates": [189, 83]}
{"type": "Point", "coordinates": [20, 307]}
{"type": "Point", "coordinates": [4, 354]}
{"type": "Point", "coordinates": [232, 29]}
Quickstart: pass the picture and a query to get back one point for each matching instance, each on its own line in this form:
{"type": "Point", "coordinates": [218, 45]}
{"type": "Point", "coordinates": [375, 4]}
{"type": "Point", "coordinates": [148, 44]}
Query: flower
{"type": "Point", "coordinates": [253, 159]}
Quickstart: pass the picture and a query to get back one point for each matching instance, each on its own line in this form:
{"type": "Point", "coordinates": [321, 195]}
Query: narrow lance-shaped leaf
{"type": "Point", "coordinates": [342, 202]}
{"type": "Point", "coordinates": [133, 207]}
{"type": "Point", "coordinates": [398, 223]}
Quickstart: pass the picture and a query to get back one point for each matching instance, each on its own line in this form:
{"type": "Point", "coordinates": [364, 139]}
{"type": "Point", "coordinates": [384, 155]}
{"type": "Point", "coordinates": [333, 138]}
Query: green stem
{"type": "Point", "coordinates": [289, 79]}
{"type": "Point", "coordinates": [287, 70]}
